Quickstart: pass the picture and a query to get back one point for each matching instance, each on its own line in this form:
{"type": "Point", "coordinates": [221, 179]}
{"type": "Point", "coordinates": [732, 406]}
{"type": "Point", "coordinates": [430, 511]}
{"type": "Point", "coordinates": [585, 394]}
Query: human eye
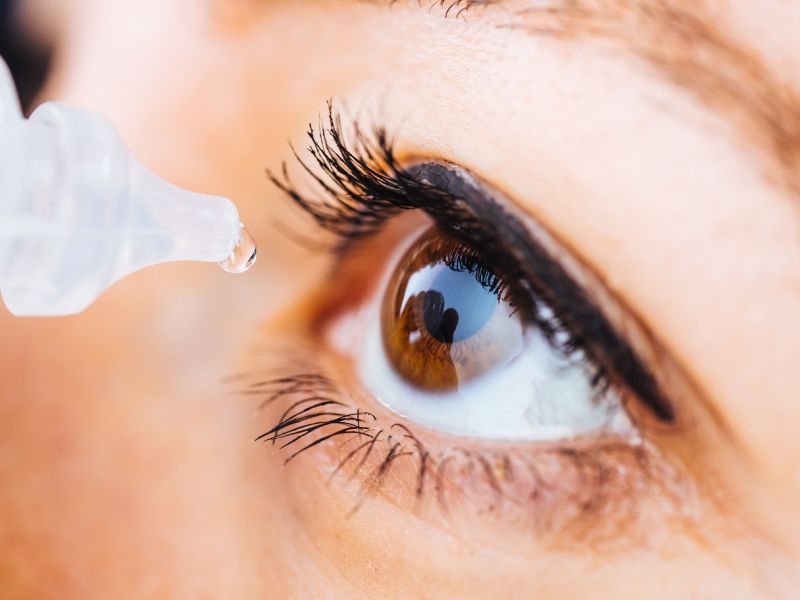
{"type": "Point", "coordinates": [466, 340]}
{"type": "Point", "coordinates": [459, 347]}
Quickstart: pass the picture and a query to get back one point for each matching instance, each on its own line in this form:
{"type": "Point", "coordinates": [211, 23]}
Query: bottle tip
{"type": "Point", "coordinates": [243, 255]}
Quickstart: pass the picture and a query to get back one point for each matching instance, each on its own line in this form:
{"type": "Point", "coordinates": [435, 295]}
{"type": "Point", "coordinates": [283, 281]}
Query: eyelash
{"type": "Point", "coordinates": [558, 487]}
{"type": "Point", "coordinates": [363, 187]}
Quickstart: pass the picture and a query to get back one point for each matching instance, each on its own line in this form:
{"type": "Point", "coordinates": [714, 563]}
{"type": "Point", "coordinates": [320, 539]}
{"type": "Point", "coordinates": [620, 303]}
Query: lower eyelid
{"type": "Point", "coordinates": [587, 491]}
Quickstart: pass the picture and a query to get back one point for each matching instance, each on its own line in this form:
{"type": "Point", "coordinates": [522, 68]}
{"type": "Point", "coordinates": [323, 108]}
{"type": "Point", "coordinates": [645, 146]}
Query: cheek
{"type": "Point", "coordinates": [380, 550]}
{"type": "Point", "coordinates": [126, 457]}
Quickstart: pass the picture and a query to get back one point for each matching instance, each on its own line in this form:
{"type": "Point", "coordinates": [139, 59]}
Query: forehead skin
{"type": "Point", "coordinates": [123, 468]}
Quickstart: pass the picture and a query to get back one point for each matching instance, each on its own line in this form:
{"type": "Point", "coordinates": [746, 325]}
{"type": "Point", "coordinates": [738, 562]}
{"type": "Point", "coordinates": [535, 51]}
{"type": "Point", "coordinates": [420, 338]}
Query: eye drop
{"type": "Point", "coordinates": [78, 213]}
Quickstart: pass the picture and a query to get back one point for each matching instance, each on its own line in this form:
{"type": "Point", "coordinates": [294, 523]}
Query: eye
{"type": "Point", "coordinates": [454, 343]}
{"type": "Point", "coordinates": [449, 310]}
{"type": "Point", "coordinates": [485, 328]}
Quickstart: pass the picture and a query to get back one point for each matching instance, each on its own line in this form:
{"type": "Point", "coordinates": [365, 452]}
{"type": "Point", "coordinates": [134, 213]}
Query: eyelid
{"type": "Point", "coordinates": [363, 185]}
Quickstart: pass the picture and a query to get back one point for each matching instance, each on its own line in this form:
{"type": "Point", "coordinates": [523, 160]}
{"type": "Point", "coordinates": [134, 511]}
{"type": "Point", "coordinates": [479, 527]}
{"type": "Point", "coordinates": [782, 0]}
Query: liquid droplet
{"type": "Point", "coordinates": [243, 256]}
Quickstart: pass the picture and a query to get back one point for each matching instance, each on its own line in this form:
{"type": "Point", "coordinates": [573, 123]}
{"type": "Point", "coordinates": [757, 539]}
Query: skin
{"type": "Point", "coordinates": [127, 468]}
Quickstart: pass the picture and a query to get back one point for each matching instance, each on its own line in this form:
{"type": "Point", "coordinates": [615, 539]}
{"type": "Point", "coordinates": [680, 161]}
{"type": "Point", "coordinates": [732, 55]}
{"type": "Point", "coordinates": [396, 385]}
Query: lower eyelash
{"type": "Point", "coordinates": [589, 489]}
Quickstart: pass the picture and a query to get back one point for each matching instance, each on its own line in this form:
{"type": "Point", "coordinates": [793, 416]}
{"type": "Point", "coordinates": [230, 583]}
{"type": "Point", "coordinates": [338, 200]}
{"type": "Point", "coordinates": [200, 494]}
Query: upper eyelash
{"type": "Point", "coordinates": [363, 183]}
{"type": "Point", "coordinates": [363, 186]}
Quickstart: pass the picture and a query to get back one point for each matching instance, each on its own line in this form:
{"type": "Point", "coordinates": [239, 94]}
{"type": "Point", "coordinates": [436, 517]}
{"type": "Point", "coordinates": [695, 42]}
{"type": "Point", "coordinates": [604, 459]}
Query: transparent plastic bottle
{"type": "Point", "coordinates": [77, 212]}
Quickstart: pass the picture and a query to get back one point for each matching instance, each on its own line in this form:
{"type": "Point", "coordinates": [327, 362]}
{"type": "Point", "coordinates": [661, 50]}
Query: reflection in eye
{"type": "Point", "coordinates": [460, 353]}
{"type": "Point", "coordinates": [446, 318]}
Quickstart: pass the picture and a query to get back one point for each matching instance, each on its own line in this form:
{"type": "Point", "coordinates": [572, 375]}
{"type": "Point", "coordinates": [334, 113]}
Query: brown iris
{"type": "Point", "coordinates": [445, 319]}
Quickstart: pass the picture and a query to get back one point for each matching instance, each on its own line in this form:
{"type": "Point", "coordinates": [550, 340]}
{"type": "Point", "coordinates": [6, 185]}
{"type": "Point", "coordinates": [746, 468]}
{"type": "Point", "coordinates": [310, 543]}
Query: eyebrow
{"type": "Point", "coordinates": [682, 41]}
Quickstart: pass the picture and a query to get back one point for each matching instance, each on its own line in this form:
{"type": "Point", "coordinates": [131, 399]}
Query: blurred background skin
{"type": "Point", "coordinates": [124, 469]}
{"type": "Point", "coordinates": [122, 458]}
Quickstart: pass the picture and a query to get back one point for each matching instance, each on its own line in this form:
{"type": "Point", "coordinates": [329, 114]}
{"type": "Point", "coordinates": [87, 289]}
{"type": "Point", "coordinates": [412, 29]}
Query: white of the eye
{"type": "Point", "coordinates": [539, 396]}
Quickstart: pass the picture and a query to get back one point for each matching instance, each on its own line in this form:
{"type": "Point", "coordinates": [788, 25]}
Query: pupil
{"type": "Point", "coordinates": [456, 306]}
